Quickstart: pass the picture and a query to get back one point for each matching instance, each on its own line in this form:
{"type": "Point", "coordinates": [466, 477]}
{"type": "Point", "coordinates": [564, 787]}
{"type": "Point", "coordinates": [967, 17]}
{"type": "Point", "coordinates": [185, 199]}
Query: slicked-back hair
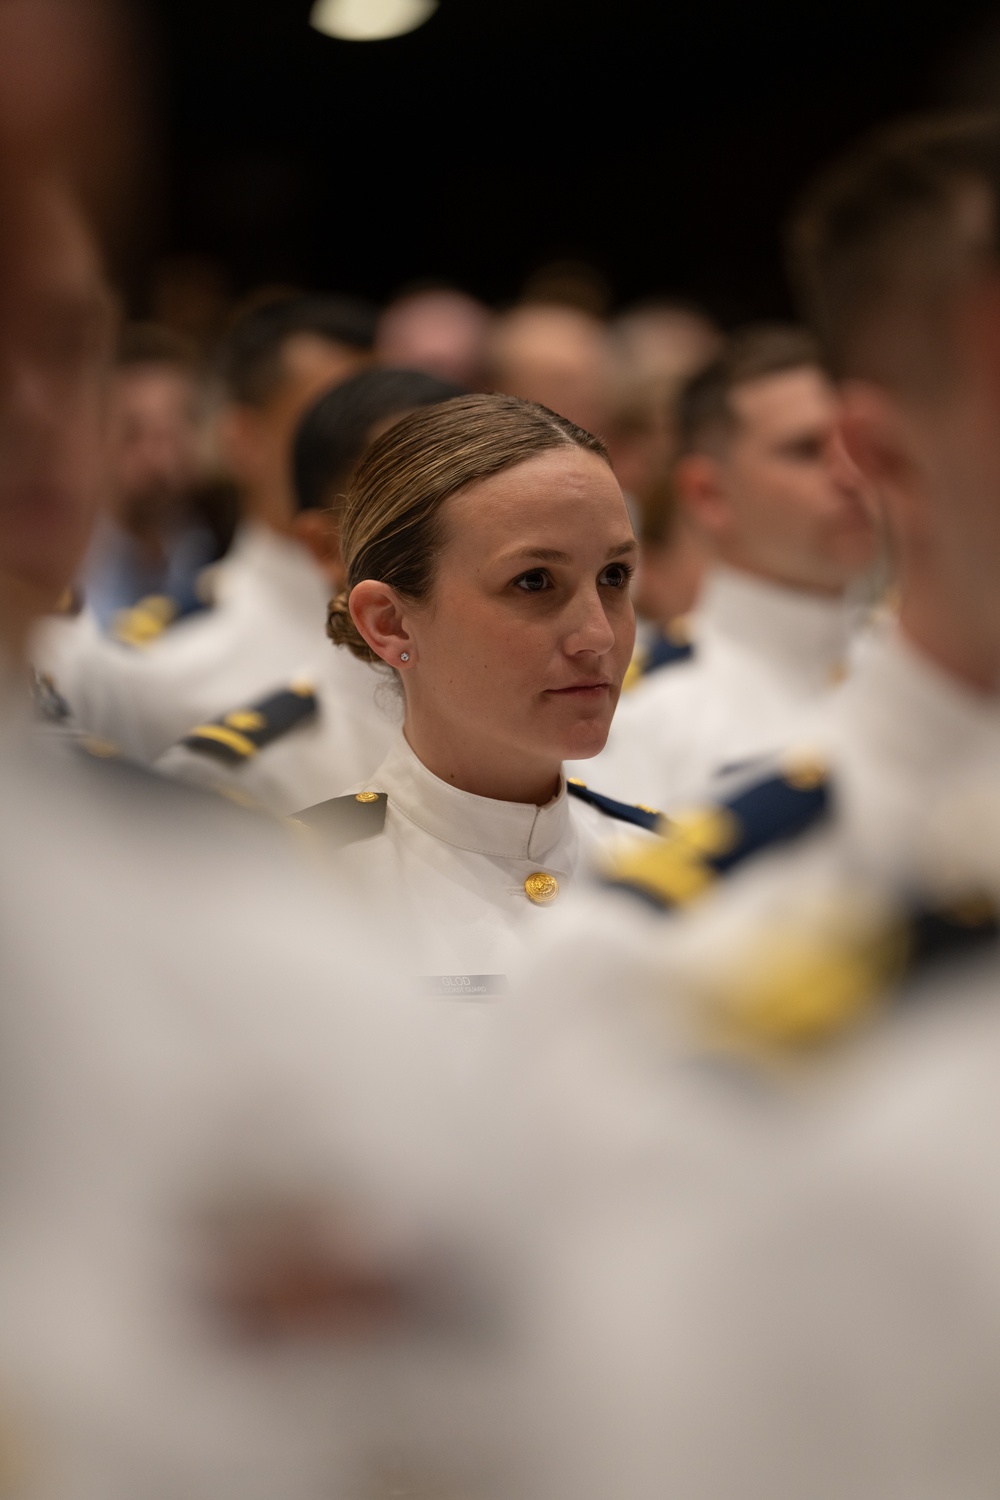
{"type": "Point", "coordinates": [392, 527]}
{"type": "Point", "coordinates": [705, 415]}
{"type": "Point", "coordinates": [885, 236]}
{"type": "Point", "coordinates": [334, 432]}
{"type": "Point", "coordinates": [249, 360]}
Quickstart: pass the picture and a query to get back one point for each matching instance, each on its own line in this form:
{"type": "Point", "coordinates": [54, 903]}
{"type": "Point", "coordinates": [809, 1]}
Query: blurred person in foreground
{"type": "Point", "coordinates": [774, 1266]}
{"type": "Point", "coordinates": [148, 540]}
{"type": "Point", "coordinates": [559, 356]}
{"type": "Point", "coordinates": [212, 1259]}
{"type": "Point", "coordinates": [306, 740]}
{"type": "Point", "coordinates": [438, 330]}
{"type": "Point", "coordinates": [765, 481]}
{"type": "Point", "coordinates": [269, 594]}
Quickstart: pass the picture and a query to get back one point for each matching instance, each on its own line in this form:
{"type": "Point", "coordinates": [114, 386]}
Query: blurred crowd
{"type": "Point", "coordinates": [499, 879]}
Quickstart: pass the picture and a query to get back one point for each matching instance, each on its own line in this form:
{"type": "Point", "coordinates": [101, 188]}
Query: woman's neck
{"type": "Point", "coordinates": [482, 770]}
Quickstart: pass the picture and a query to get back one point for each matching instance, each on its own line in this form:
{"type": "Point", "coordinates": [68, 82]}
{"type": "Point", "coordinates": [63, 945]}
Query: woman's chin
{"type": "Point", "coordinates": [590, 741]}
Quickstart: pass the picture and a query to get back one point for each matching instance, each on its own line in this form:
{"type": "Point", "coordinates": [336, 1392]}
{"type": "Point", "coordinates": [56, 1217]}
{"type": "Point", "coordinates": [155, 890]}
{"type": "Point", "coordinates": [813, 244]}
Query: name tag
{"type": "Point", "coordinates": [462, 986]}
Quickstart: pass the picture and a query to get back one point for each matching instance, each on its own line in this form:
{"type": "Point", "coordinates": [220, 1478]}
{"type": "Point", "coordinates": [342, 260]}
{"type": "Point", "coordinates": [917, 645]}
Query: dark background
{"type": "Point", "coordinates": [661, 142]}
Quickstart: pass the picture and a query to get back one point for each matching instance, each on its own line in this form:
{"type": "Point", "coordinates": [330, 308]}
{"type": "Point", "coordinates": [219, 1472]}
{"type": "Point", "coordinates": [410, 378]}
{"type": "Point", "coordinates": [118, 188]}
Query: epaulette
{"type": "Point", "coordinates": [146, 621]}
{"type": "Point", "coordinates": [708, 841]}
{"type": "Point", "coordinates": [626, 812]}
{"type": "Point", "coordinates": [49, 701]}
{"type": "Point", "coordinates": [346, 820]}
{"type": "Point", "coordinates": [236, 737]}
{"type": "Point", "coordinates": [811, 984]}
{"type": "Point", "coordinates": [666, 649]}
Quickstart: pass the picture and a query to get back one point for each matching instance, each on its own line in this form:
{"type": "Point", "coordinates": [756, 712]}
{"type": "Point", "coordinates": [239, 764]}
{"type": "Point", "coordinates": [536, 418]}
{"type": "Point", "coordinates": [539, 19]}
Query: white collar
{"type": "Point", "coordinates": [802, 633]}
{"type": "Point", "coordinates": [915, 715]}
{"type": "Point", "coordinates": [282, 564]}
{"type": "Point", "coordinates": [482, 825]}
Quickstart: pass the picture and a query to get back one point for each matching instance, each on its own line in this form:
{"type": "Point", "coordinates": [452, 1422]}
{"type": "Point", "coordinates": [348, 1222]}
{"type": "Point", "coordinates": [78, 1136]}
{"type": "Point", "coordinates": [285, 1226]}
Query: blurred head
{"type": "Point", "coordinates": [275, 361]}
{"type": "Point", "coordinates": [763, 472]}
{"type": "Point", "coordinates": [895, 254]}
{"type": "Point", "coordinates": [663, 343]}
{"type": "Point", "coordinates": [558, 356]}
{"type": "Point", "coordinates": [487, 539]}
{"type": "Point", "coordinates": [331, 438]}
{"type": "Point", "coordinates": [155, 429]}
{"type": "Point", "coordinates": [440, 331]}
{"type": "Point", "coordinates": [56, 337]}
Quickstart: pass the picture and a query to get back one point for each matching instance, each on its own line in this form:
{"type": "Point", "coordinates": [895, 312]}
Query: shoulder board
{"type": "Point", "coordinates": [146, 621]}
{"type": "Point", "coordinates": [666, 649]}
{"type": "Point", "coordinates": [813, 983]}
{"type": "Point", "coordinates": [346, 820]}
{"type": "Point", "coordinates": [626, 812]}
{"type": "Point", "coordinates": [700, 845]}
{"type": "Point", "coordinates": [236, 737]}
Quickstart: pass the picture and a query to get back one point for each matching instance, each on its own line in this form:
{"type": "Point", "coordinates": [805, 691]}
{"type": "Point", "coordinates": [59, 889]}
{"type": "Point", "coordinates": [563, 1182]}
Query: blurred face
{"type": "Point", "coordinates": [55, 345]}
{"type": "Point", "coordinates": [794, 506]}
{"type": "Point", "coordinates": [519, 654]}
{"type": "Point", "coordinates": [557, 356]}
{"type": "Point", "coordinates": [934, 450]}
{"type": "Point", "coordinates": [258, 439]}
{"type": "Point", "coordinates": [154, 442]}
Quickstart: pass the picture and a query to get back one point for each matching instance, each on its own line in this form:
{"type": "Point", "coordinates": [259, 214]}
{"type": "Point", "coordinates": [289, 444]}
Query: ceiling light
{"type": "Point", "coordinates": [370, 20]}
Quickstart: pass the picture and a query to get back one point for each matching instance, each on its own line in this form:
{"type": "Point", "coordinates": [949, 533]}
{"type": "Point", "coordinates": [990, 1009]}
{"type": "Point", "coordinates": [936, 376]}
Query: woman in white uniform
{"type": "Point", "coordinates": [488, 552]}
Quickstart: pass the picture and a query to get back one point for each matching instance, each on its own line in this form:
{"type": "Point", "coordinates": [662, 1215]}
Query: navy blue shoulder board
{"type": "Point", "coordinates": [625, 812]}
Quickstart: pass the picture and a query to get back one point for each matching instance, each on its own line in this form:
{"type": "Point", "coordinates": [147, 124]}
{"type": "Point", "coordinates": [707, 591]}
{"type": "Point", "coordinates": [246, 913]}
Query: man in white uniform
{"type": "Point", "coordinates": [765, 479]}
{"type": "Point", "coordinates": [314, 737]}
{"type": "Point", "coordinates": [834, 1332]}
{"type": "Point", "coordinates": [196, 1144]}
{"type": "Point", "coordinates": [266, 626]}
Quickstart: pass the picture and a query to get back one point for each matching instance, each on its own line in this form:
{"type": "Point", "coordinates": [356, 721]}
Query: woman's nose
{"type": "Point", "coordinates": [590, 629]}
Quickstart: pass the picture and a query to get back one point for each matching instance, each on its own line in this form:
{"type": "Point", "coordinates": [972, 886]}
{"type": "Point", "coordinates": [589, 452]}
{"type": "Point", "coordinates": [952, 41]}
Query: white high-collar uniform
{"type": "Point", "coordinates": [175, 1045]}
{"type": "Point", "coordinates": [453, 865]}
{"type": "Point", "coordinates": [267, 628]}
{"type": "Point", "coordinates": [763, 654]}
{"type": "Point", "coordinates": [636, 1119]}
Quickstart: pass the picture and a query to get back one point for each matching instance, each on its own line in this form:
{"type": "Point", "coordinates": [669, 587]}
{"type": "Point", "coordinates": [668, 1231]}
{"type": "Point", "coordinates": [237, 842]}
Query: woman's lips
{"type": "Point", "coordinates": [581, 689]}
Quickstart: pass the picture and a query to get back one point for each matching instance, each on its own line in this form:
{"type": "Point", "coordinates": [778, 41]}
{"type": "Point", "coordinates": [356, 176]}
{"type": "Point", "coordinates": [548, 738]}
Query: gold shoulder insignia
{"type": "Point", "coordinates": [236, 737]}
{"type": "Point", "coordinates": [145, 622]}
{"type": "Point", "coordinates": [702, 843]}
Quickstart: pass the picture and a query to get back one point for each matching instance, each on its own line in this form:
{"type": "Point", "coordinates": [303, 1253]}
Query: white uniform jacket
{"type": "Point", "coordinates": [267, 628]}
{"type": "Point", "coordinates": [472, 877]}
{"type": "Point", "coordinates": [762, 655]}
{"type": "Point", "coordinates": [738, 954]}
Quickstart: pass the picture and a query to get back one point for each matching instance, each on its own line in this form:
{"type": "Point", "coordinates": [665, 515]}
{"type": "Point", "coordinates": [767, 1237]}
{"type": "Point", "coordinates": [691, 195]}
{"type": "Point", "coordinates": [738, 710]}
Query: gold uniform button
{"type": "Point", "coordinates": [540, 888]}
{"type": "Point", "coordinates": [366, 796]}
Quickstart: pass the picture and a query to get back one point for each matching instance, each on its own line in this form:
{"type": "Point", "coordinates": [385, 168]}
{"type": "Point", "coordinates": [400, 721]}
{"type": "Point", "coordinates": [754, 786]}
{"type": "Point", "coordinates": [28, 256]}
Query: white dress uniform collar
{"type": "Point", "coordinates": [481, 825]}
{"type": "Point", "coordinates": [804, 634]}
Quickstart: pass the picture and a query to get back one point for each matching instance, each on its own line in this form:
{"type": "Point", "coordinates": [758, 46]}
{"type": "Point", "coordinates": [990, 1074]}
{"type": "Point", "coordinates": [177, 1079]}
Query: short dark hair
{"type": "Point", "coordinates": [885, 234]}
{"type": "Point", "coordinates": [705, 412]}
{"type": "Point", "coordinates": [250, 353]}
{"type": "Point", "coordinates": [335, 431]}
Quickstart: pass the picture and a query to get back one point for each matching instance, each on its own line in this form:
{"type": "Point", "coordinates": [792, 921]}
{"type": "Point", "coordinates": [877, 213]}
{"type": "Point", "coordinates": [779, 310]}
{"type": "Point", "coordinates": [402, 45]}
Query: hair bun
{"type": "Point", "coordinates": [341, 629]}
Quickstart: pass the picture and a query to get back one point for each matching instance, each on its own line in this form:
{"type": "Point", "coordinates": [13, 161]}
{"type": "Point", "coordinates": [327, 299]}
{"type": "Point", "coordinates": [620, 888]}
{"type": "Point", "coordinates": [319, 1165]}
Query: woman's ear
{"type": "Point", "coordinates": [377, 612]}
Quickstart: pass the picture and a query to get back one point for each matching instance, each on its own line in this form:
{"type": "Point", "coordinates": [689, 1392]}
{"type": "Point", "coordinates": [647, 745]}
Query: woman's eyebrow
{"type": "Point", "coordinates": [553, 555]}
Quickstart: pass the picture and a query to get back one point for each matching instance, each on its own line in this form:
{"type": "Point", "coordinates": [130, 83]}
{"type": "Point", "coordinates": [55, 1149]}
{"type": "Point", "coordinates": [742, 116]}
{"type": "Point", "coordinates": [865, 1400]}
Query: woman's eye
{"type": "Point", "coordinates": [533, 582]}
{"type": "Point", "coordinates": [616, 575]}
